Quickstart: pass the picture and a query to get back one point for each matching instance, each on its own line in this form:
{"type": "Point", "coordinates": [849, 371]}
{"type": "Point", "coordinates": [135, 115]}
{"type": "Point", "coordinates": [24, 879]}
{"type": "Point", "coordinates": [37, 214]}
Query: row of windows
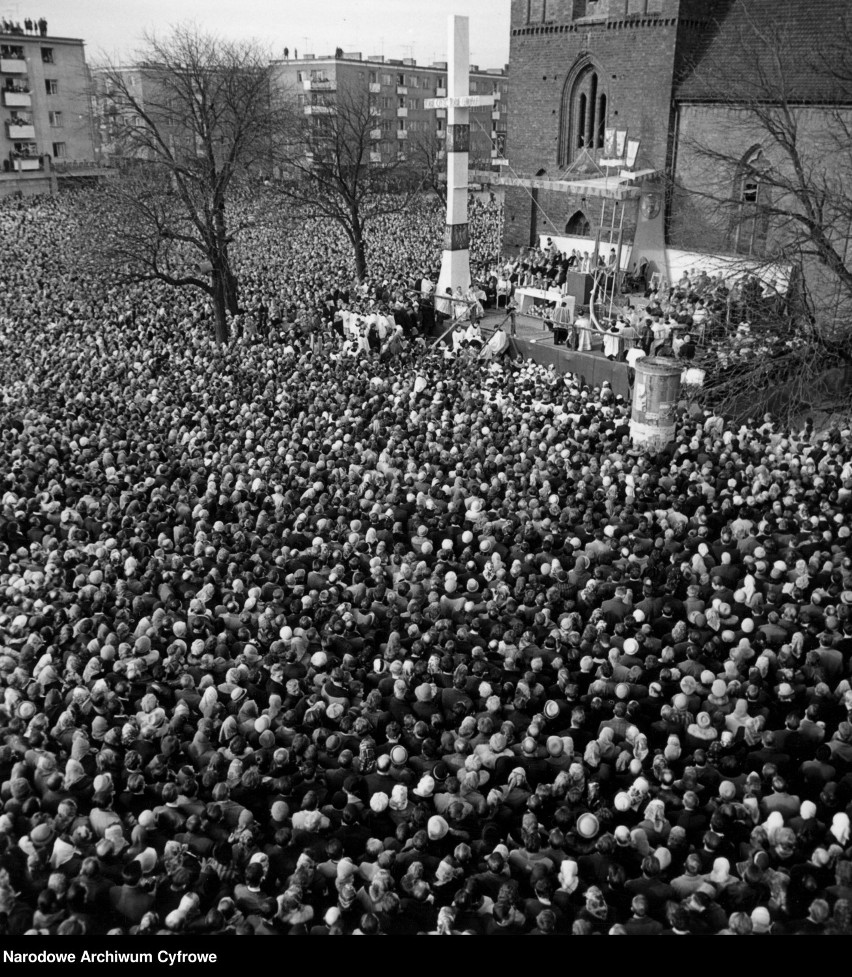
{"type": "Point", "coordinates": [15, 52]}
{"type": "Point", "coordinates": [412, 104]}
{"type": "Point", "coordinates": [51, 86]}
{"type": "Point", "coordinates": [407, 81]}
{"type": "Point", "coordinates": [414, 81]}
{"type": "Point", "coordinates": [25, 119]}
{"type": "Point", "coordinates": [538, 11]}
{"type": "Point", "coordinates": [60, 149]}
{"type": "Point", "coordinates": [388, 104]}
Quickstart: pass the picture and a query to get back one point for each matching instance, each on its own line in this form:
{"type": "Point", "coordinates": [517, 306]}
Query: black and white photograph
{"type": "Point", "coordinates": [425, 474]}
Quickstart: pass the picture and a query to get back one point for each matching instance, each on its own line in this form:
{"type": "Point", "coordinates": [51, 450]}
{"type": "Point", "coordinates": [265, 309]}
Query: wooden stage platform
{"type": "Point", "coordinates": [535, 342]}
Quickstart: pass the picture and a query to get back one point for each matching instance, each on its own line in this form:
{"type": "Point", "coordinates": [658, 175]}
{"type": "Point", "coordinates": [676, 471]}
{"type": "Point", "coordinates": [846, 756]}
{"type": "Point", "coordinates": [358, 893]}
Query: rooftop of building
{"type": "Point", "coordinates": [12, 38]}
{"type": "Point", "coordinates": [739, 54]}
{"type": "Point", "coordinates": [356, 57]}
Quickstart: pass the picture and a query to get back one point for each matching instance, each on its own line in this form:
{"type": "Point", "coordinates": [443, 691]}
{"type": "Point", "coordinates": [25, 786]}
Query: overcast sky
{"type": "Point", "coordinates": [395, 28]}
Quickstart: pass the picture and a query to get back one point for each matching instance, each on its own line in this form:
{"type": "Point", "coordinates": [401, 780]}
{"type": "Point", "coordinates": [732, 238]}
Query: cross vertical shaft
{"type": "Point", "coordinates": [455, 264]}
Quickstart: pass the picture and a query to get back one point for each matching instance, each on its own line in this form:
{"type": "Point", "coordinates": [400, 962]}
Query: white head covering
{"type": "Point", "coordinates": [568, 880]}
{"type": "Point", "coordinates": [773, 824]}
{"type": "Point", "coordinates": [840, 827]}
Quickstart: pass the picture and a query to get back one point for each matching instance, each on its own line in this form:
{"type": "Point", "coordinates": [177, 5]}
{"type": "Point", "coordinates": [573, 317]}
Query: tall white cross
{"type": "Point", "coordinates": [455, 264]}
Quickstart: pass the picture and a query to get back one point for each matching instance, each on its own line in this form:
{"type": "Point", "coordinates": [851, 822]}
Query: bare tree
{"type": "Point", "coordinates": [330, 169]}
{"type": "Point", "coordinates": [189, 123]}
{"type": "Point", "coordinates": [763, 174]}
{"type": "Point", "coordinates": [428, 160]}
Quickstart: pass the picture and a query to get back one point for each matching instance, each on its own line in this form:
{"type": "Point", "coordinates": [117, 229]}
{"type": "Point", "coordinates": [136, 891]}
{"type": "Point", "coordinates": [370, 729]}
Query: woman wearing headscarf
{"type": "Point", "coordinates": [294, 916]}
{"type": "Point", "coordinates": [737, 719]}
{"type": "Point", "coordinates": [750, 731]}
{"type": "Point", "coordinates": [592, 761]}
{"type": "Point", "coordinates": [567, 897]}
{"type": "Point", "coordinates": [445, 923]}
{"type": "Point", "coordinates": [720, 877]}
{"type": "Point", "coordinates": [448, 879]}
{"type": "Point", "coordinates": [655, 824]}
{"type": "Point", "coordinates": [607, 748]}
{"type": "Point", "coordinates": [596, 912]}
{"type": "Point", "coordinates": [839, 832]}
{"type": "Point", "coordinates": [399, 805]}
{"type": "Point", "coordinates": [639, 842]}
{"type": "Point", "coordinates": [77, 782]}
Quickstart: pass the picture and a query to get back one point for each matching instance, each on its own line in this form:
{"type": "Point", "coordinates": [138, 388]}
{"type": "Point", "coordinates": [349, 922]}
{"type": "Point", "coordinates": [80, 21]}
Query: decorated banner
{"type": "Point", "coordinates": [609, 143]}
{"type": "Point", "coordinates": [461, 102]}
{"type": "Point", "coordinates": [620, 143]}
{"type": "Point", "coordinates": [632, 152]}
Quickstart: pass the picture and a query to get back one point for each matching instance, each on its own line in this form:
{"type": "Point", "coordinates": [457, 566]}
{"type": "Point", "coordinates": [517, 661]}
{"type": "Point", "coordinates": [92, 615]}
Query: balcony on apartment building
{"type": "Point", "coordinates": [401, 90]}
{"type": "Point", "coordinates": [375, 88]}
{"type": "Point", "coordinates": [21, 162]}
{"type": "Point", "coordinates": [402, 113]}
{"type": "Point", "coordinates": [20, 129]}
{"type": "Point", "coordinates": [13, 66]}
{"type": "Point", "coordinates": [402, 133]}
{"type": "Point", "coordinates": [375, 134]}
{"type": "Point", "coordinates": [440, 93]}
{"type": "Point", "coordinates": [319, 85]}
{"type": "Point", "coordinates": [320, 110]}
{"type": "Point", "coordinates": [375, 157]}
{"type": "Point", "coordinates": [16, 100]}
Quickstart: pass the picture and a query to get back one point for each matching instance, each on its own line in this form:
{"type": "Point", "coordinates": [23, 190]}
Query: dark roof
{"type": "Point", "coordinates": [734, 57]}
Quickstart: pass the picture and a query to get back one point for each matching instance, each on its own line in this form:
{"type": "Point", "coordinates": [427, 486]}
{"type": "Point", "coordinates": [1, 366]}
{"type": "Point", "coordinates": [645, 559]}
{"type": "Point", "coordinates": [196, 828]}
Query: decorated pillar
{"type": "Point", "coordinates": [655, 396]}
{"type": "Point", "coordinates": [455, 264]}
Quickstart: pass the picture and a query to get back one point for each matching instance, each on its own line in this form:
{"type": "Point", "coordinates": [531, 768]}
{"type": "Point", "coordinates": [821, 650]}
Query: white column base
{"type": "Point", "coordinates": [455, 271]}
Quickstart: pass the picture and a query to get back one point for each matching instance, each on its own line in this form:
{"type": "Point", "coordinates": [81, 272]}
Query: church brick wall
{"type": "Point", "coordinates": [639, 53]}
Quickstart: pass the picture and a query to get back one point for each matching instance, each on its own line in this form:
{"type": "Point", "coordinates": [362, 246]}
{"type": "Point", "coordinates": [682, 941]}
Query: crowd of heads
{"type": "Point", "coordinates": [297, 643]}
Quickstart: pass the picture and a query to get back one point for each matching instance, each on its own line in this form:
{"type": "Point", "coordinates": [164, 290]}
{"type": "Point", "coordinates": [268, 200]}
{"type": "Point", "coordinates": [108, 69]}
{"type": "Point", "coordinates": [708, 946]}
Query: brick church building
{"type": "Point", "coordinates": [582, 68]}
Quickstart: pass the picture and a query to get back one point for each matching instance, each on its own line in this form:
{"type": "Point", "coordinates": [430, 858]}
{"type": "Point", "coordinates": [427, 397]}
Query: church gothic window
{"type": "Point", "coordinates": [584, 113]}
{"type": "Point", "coordinates": [751, 222]}
{"type": "Point", "coordinates": [578, 225]}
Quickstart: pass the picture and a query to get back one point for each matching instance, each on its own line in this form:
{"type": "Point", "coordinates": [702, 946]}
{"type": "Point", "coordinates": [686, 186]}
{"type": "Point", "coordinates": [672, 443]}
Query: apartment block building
{"type": "Point", "coordinates": [47, 120]}
{"type": "Point", "coordinates": [397, 91]}
{"type": "Point", "coordinates": [112, 117]}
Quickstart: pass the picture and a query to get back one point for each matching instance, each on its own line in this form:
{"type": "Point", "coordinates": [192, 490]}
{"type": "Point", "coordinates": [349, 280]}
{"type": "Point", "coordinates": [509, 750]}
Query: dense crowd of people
{"type": "Point", "coordinates": [294, 642]}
